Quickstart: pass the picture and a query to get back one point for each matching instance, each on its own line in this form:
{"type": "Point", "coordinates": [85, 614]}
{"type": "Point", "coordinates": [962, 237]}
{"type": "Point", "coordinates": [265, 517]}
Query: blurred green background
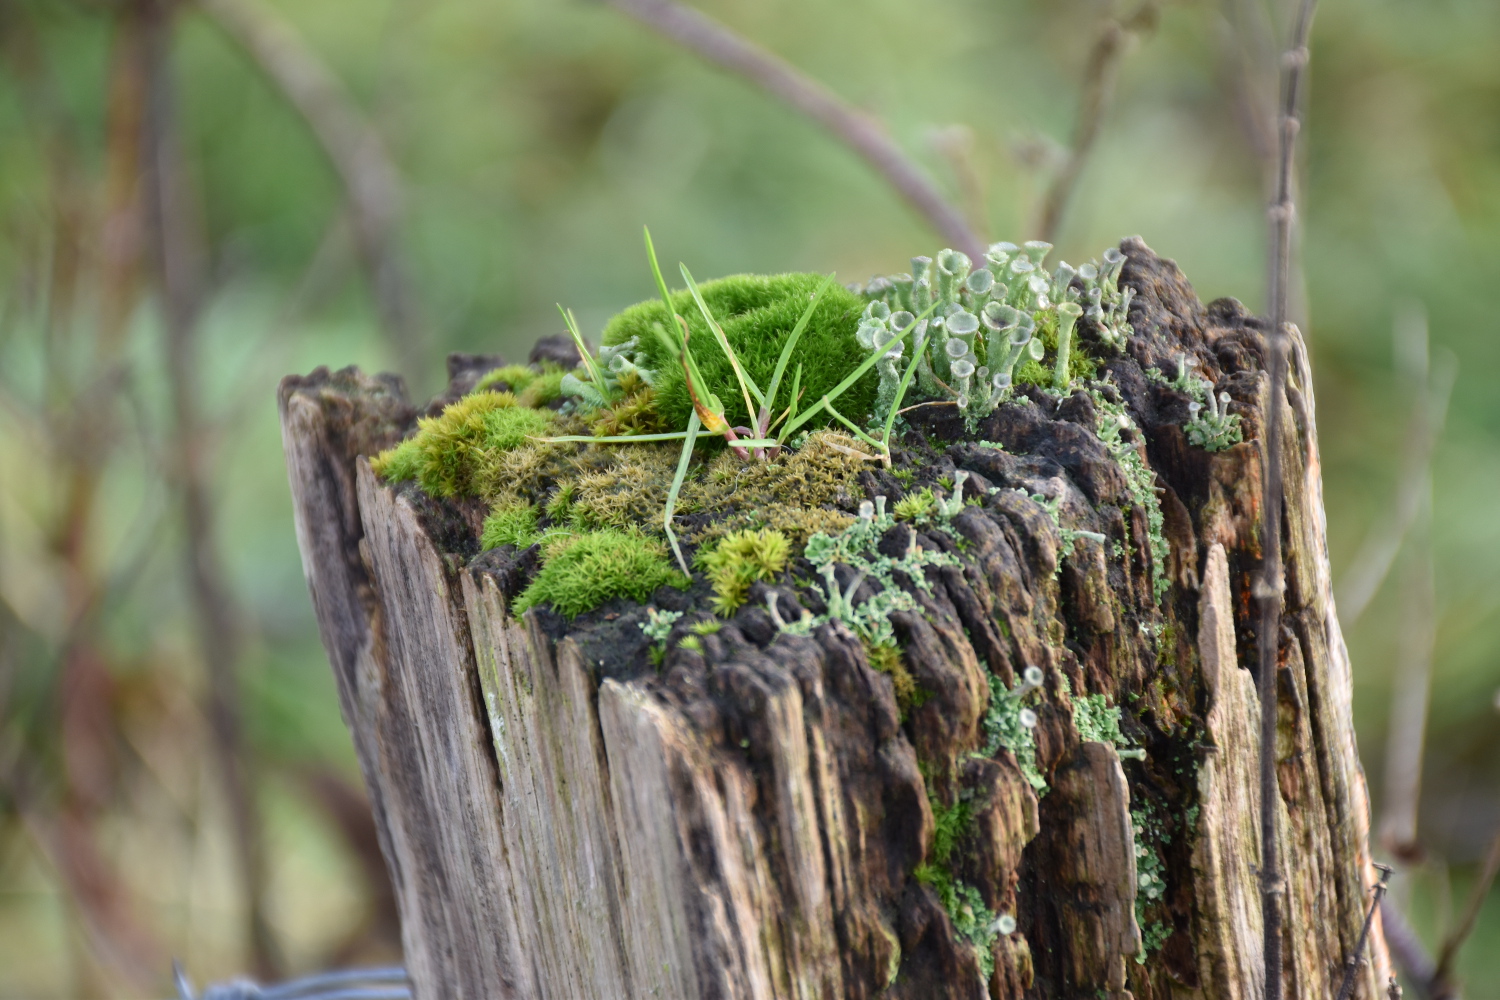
{"type": "Point", "coordinates": [532, 140]}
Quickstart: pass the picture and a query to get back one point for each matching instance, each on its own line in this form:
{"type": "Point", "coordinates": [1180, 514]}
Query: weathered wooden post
{"type": "Point", "coordinates": [765, 814]}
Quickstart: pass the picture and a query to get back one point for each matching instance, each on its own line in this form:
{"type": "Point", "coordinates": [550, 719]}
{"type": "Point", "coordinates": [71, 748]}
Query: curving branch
{"type": "Point", "coordinates": [1269, 588]}
{"type": "Point", "coordinates": [1098, 90]}
{"type": "Point", "coordinates": [1372, 563]}
{"type": "Point", "coordinates": [356, 151]}
{"type": "Point", "coordinates": [853, 127]}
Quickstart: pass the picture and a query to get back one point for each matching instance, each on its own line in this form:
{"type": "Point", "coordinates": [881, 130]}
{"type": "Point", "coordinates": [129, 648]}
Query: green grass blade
{"type": "Point", "coordinates": [791, 410]}
{"type": "Point", "coordinates": [862, 435]}
{"type": "Point", "coordinates": [613, 438]}
{"type": "Point", "coordinates": [696, 387]}
{"type": "Point", "coordinates": [747, 384]}
{"type": "Point", "coordinates": [890, 418]}
{"type": "Point", "coordinates": [854, 376]}
{"type": "Point", "coordinates": [786, 351]}
{"type": "Point", "coordinates": [671, 508]}
{"type": "Point", "coordinates": [583, 349]}
{"type": "Point", "coordinates": [661, 284]}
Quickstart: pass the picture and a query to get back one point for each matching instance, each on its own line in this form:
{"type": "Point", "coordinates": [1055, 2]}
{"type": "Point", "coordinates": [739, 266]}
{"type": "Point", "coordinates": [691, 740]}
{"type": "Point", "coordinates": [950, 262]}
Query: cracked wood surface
{"type": "Point", "coordinates": [748, 820]}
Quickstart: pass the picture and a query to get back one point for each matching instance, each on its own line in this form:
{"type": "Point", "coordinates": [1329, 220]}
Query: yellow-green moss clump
{"type": "Point", "coordinates": [512, 378]}
{"type": "Point", "coordinates": [757, 313]}
{"type": "Point", "coordinates": [740, 559]}
{"type": "Point", "coordinates": [588, 569]}
{"type": "Point", "coordinates": [450, 448]}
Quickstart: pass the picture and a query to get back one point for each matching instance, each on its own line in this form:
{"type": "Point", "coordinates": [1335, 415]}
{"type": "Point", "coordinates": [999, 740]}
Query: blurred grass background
{"type": "Point", "coordinates": [533, 140]}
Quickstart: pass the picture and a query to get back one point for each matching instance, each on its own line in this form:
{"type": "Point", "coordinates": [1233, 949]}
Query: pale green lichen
{"type": "Point", "coordinates": [1111, 420]}
{"type": "Point", "coordinates": [1009, 723]}
{"type": "Point", "coordinates": [857, 548]}
{"type": "Point", "coordinates": [987, 320]}
{"type": "Point", "coordinates": [1150, 837]}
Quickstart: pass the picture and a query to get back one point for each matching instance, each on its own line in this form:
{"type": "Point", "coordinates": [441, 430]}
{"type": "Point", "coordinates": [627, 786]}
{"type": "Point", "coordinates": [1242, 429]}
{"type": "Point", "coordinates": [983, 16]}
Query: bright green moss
{"type": "Point", "coordinates": [757, 313]}
{"type": "Point", "coordinates": [1040, 373]}
{"type": "Point", "coordinates": [741, 558]}
{"type": "Point", "coordinates": [588, 569]}
{"type": "Point", "coordinates": [448, 450]}
{"type": "Point", "coordinates": [514, 377]}
{"type": "Point", "coordinates": [509, 525]}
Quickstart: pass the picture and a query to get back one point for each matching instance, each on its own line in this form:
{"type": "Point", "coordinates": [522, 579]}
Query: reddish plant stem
{"type": "Point", "coordinates": [172, 232]}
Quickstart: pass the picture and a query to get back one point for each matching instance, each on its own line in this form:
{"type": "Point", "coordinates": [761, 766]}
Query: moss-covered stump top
{"type": "Point", "coordinates": [982, 567]}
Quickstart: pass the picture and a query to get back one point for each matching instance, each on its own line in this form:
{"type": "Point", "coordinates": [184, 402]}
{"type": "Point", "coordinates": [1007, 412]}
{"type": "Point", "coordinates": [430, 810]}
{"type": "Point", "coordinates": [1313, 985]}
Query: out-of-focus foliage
{"type": "Point", "coordinates": [535, 139]}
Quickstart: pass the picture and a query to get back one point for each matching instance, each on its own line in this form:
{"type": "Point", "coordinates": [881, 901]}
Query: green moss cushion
{"type": "Point", "coordinates": [757, 313]}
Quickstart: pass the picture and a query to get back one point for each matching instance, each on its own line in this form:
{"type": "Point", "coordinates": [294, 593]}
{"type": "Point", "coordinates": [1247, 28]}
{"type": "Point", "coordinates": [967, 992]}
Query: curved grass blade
{"type": "Point", "coordinates": [583, 349]}
{"type": "Point", "coordinates": [671, 508]}
{"type": "Point", "coordinates": [861, 434]}
{"type": "Point", "coordinates": [890, 419]}
{"type": "Point", "coordinates": [611, 439]}
{"type": "Point", "coordinates": [854, 376]}
{"type": "Point", "coordinates": [747, 384]}
{"type": "Point", "coordinates": [791, 341]}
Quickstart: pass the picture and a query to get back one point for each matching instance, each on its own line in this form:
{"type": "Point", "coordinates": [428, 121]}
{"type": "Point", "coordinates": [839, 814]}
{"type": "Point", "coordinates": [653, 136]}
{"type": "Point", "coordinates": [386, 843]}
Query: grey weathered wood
{"type": "Point", "coordinates": [745, 822]}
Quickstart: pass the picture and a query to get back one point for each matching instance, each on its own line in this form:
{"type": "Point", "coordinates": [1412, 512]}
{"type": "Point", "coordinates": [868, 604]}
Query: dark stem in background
{"type": "Point", "coordinates": [1098, 90]}
{"type": "Point", "coordinates": [856, 129]}
{"type": "Point", "coordinates": [1351, 965]}
{"type": "Point", "coordinates": [371, 182]}
{"type": "Point", "coordinates": [1269, 589]}
{"type": "Point", "coordinates": [172, 232]}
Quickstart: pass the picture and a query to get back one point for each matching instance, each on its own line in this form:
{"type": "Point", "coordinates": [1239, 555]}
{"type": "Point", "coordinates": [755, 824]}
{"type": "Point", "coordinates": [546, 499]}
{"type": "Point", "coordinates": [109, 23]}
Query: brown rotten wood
{"type": "Point", "coordinates": [562, 820]}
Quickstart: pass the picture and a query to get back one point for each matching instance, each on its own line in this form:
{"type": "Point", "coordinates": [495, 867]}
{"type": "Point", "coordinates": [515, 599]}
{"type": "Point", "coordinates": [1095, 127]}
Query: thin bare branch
{"type": "Point", "coordinates": [1444, 983]}
{"type": "Point", "coordinates": [352, 145]}
{"type": "Point", "coordinates": [1372, 563]}
{"type": "Point", "coordinates": [853, 127]}
{"type": "Point", "coordinates": [1406, 948]}
{"type": "Point", "coordinates": [172, 232]}
{"type": "Point", "coordinates": [1098, 91]}
{"type": "Point", "coordinates": [1248, 50]}
{"type": "Point", "coordinates": [1411, 688]}
{"type": "Point", "coordinates": [1269, 589]}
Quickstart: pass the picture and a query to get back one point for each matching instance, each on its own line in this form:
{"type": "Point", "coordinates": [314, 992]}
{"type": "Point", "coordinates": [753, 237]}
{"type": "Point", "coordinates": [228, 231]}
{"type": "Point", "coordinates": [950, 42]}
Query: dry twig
{"type": "Point", "coordinates": [856, 129]}
{"type": "Point", "coordinates": [352, 145]}
{"type": "Point", "coordinates": [1098, 90]}
{"type": "Point", "coordinates": [1373, 561]}
{"type": "Point", "coordinates": [1444, 985]}
{"type": "Point", "coordinates": [1269, 589]}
